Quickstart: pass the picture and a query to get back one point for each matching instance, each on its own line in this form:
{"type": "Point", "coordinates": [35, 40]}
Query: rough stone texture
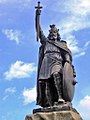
{"type": "Point", "coordinates": [56, 115]}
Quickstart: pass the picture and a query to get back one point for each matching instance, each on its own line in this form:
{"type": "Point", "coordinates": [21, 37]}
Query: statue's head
{"type": "Point", "coordinates": [54, 33]}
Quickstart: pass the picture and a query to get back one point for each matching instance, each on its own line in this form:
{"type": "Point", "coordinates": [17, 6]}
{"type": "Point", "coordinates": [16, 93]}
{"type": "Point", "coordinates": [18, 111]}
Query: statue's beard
{"type": "Point", "coordinates": [52, 37]}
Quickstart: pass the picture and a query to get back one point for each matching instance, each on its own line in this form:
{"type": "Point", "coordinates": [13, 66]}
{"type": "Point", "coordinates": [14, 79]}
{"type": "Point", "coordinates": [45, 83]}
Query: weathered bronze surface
{"type": "Point", "coordinates": [55, 76]}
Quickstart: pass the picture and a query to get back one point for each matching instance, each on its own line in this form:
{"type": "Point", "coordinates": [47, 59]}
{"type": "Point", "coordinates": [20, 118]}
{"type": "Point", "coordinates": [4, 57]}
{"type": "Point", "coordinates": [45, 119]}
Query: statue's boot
{"type": "Point", "coordinates": [58, 85]}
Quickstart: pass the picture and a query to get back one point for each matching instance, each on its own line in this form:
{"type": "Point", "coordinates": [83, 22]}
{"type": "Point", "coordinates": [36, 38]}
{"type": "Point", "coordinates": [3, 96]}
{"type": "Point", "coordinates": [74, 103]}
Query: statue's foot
{"type": "Point", "coordinates": [61, 101]}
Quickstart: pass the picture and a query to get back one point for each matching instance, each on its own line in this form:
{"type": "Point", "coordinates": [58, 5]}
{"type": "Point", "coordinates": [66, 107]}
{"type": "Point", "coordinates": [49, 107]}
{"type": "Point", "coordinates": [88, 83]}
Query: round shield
{"type": "Point", "coordinates": [68, 80]}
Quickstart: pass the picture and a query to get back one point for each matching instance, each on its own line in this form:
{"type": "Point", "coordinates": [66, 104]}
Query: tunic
{"type": "Point", "coordinates": [52, 61]}
{"type": "Point", "coordinates": [52, 55]}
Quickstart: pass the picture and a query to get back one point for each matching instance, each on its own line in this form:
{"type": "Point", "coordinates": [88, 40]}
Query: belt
{"type": "Point", "coordinates": [52, 52]}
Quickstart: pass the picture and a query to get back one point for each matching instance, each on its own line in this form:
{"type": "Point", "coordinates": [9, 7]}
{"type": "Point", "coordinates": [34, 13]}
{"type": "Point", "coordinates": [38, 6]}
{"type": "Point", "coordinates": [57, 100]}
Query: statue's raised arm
{"type": "Point", "coordinates": [37, 23]}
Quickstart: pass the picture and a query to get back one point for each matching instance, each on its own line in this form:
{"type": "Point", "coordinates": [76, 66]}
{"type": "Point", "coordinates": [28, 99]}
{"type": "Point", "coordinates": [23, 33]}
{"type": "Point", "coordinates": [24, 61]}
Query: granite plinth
{"type": "Point", "coordinates": [69, 114]}
{"type": "Point", "coordinates": [57, 115]}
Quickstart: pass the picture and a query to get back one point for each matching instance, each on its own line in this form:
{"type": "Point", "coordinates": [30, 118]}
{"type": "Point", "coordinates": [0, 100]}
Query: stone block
{"type": "Point", "coordinates": [55, 115]}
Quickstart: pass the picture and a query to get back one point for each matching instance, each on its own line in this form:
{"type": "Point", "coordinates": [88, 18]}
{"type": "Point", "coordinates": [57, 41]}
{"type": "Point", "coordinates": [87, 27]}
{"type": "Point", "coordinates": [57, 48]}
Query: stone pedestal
{"type": "Point", "coordinates": [55, 115]}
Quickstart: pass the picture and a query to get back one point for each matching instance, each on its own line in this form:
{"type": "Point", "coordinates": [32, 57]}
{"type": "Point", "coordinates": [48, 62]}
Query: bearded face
{"type": "Point", "coordinates": [53, 33]}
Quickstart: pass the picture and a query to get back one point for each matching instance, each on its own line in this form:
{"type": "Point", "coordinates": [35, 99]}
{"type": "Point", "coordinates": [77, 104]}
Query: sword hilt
{"type": "Point", "coordinates": [38, 8]}
{"type": "Point", "coordinates": [38, 11]}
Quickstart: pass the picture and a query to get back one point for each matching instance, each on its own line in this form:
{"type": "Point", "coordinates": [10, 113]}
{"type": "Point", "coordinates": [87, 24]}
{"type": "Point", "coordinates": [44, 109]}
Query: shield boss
{"type": "Point", "coordinates": [68, 87]}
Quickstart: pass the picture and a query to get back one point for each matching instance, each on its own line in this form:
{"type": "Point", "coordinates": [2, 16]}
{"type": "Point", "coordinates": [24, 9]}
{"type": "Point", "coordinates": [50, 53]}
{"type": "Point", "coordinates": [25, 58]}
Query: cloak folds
{"type": "Point", "coordinates": [45, 83]}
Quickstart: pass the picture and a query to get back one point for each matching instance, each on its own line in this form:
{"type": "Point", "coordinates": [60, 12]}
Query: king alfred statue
{"type": "Point", "coordinates": [56, 74]}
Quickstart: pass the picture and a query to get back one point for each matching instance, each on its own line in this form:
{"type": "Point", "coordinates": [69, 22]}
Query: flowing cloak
{"type": "Point", "coordinates": [50, 61]}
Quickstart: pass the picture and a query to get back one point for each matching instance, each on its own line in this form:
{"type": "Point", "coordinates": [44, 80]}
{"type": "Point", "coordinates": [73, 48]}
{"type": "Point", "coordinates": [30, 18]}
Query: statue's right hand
{"type": "Point", "coordinates": [38, 12]}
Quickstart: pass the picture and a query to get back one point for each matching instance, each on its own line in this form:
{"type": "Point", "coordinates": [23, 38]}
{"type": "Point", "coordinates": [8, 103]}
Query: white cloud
{"type": "Point", "coordinates": [10, 90]}
{"type": "Point", "coordinates": [80, 54]}
{"type": "Point", "coordinates": [66, 31]}
{"type": "Point", "coordinates": [5, 97]}
{"type": "Point", "coordinates": [80, 7]}
{"type": "Point", "coordinates": [29, 95]}
{"type": "Point", "coordinates": [84, 107]}
{"type": "Point", "coordinates": [20, 70]}
{"type": "Point", "coordinates": [73, 23]}
{"type": "Point", "coordinates": [13, 35]}
{"type": "Point", "coordinates": [72, 43]}
{"type": "Point", "coordinates": [82, 51]}
{"type": "Point", "coordinates": [73, 46]}
{"type": "Point", "coordinates": [75, 19]}
{"type": "Point", "coordinates": [87, 44]}
{"type": "Point", "coordinates": [76, 7]}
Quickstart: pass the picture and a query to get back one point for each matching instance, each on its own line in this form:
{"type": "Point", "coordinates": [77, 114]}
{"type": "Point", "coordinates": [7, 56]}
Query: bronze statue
{"type": "Point", "coordinates": [55, 78]}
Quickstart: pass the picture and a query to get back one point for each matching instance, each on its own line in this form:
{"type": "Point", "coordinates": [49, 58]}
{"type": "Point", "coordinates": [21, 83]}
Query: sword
{"type": "Point", "coordinates": [37, 19]}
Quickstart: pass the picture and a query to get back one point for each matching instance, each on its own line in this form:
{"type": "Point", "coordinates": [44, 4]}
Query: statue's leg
{"type": "Point", "coordinates": [48, 93]}
{"type": "Point", "coordinates": [58, 85]}
{"type": "Point", "coordinates": [42, 95]}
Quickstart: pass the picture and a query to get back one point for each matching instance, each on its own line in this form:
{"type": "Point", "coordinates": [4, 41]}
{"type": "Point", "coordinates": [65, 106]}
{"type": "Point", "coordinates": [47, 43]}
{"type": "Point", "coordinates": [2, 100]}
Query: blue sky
{"type": "Point", "coordinates": [19, 52]}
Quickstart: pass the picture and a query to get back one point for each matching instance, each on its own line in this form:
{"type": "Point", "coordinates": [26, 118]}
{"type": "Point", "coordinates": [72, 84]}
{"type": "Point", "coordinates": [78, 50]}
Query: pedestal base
{"type": "Point", "coordinates": [55, 115]}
